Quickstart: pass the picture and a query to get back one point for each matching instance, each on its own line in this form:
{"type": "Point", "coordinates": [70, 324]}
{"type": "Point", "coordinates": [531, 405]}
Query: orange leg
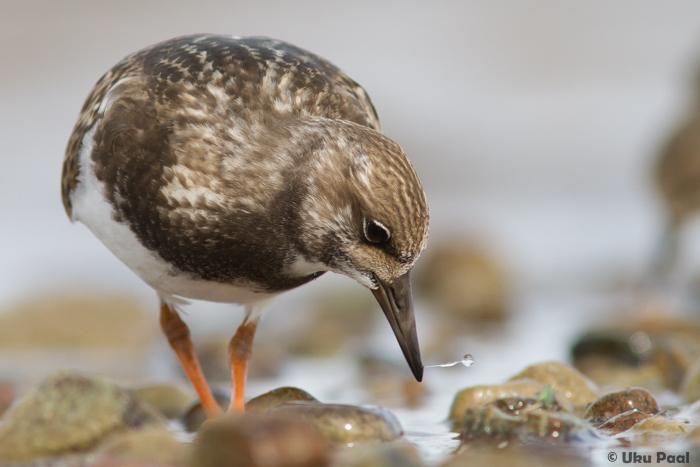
{"type": "Point", "coordinates": [239, 350]}
{"type": "Point", "coordinates": [178, 335]}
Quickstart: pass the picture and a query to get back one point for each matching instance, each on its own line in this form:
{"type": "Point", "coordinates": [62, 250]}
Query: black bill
{"type": "Point", "coordinates": [396, 301]}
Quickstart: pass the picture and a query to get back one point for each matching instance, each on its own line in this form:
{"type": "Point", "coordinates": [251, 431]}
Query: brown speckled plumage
{"type": "Point", "coordinates": [231, 158]}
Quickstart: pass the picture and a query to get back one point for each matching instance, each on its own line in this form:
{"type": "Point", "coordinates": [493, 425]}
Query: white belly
{"type": "Point", "coordinates": [92, 209]}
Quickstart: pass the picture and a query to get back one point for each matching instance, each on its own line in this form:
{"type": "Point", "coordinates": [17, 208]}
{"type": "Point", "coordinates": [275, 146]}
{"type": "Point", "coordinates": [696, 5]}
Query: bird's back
{"type": "Point", "coordinates": [180, 138]}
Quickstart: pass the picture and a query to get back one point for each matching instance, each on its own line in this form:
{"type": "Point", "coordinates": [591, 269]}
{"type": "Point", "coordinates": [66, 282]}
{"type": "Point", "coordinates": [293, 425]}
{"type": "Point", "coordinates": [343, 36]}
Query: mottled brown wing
{"type": "Point", "coordinates": [89, 114]}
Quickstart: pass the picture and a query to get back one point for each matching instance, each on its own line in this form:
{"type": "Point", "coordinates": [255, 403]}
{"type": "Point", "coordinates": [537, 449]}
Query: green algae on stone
{"type": "Point", "coordinates": [70, 413]}
{"type": "Point", "coordinates": [479, 395]}
{"type": "Point", "coordinates": [488, 424]}
{"type": "Point", "coordinates": [576, 389]}
{"type": "Point", "coordinates": [260, 441]}
{"type": "Point", "coordinates": [345, 424]}
{"type": "Point", "coordinates": [264, 402]}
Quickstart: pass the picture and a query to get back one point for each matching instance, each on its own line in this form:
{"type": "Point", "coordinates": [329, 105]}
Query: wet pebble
{"type": "Point", "coordinates": [345, 424]}
{"type": "Point", "coordinates": [480, 395]}
{"type": "Point", "coordinates": [260, 441]}
{"type": "Point", "coordinates": [170, 400]}
{"type": "Point", "coordinates": [7, 396]}
{"type": "Point", "coordinates": [193, 418]}
{"type": "Point", "coordinates": [616, 403]}
{"type": "Point", "coordinates": [655, 429]}
{"type": "Point", "coordinates": [622, 422]}
{"type": "Point", "coordinates": [575, 388]}
{"type": "Point", "coordinates": [70, 413]}
{"type": "Point", "coordinates": [149, 445]}
{"type": "Point", "coordinates": [264, 402]}
{"type": "Point", "coordinates": [489, 424]}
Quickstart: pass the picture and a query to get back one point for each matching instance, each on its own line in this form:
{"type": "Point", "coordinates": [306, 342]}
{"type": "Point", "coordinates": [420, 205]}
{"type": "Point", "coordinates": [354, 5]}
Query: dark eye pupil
{"type": "Point", "coordinates": [376, 233]}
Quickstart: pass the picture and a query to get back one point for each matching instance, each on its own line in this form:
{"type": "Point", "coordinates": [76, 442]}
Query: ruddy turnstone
{"type": "Point", "coordinates": [232, 169]}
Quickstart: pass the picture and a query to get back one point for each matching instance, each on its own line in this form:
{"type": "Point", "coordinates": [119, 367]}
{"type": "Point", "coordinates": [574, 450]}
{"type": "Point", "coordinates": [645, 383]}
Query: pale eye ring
{"type": "Point", "coordinates": [376, 232]}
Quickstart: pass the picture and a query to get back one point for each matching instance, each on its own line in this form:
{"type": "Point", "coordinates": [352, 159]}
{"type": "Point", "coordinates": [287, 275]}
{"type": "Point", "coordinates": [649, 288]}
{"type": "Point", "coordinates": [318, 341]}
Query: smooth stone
{"type": "Point", "coordinates": [616, 403]}
{"type": "Point", "coordinates": [690, 385]}
{"type": "Point", "coordinates": [193, 418]}
{"type": "Point", "coordinates": [70, 413]}
{"type": "Point", "coordinates": [517, 456]}
{"type": "Point", "coordinates": [393, 454]}
{"type": "Point", "coordinates": [480, 395]}
{"type": "Point", "coordinates": [658, 428]}
{"type": "Point", "coordinates": [622, 422]}
{"type": "Point", "coordinates": [7, 397]}
{"type": "Point", "coordinates": [151, 444]}
{"type": "Point", "coordinates": [345, 424]}
{"type": "Point", "coordinates": [170, 400]}
{"type": "Point", "coordinates": [464, 281]}
{"type": "Point", "coordinates": [91, 322]}
{"type": "Point", "coordinates": [260, 441]}
{"type": "Point", "coordinates": [265, 402]}
{"type": "Point", "coordinates": [491, 425]}
{"type": "Point", "coordinates": [576, 389]}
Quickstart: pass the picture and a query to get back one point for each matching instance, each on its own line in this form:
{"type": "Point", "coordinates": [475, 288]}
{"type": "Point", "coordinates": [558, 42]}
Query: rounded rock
{"type": "Point", "coordinates": [615, 403]}
{"type": "Point", "coordinates": [345, 424]}
{"type": "Point", "coordinates": [265, 402]}
{"type": "Point", "coordinates": [260, 441]}
{"type": "Point", "coordinates": [70, 413]}
{"type": "Point", "coordinates": [170, 400]}
{"type": "Point", "coordinates": [576, 389]}
{"type": "Point", "coordinates": [480, 395]}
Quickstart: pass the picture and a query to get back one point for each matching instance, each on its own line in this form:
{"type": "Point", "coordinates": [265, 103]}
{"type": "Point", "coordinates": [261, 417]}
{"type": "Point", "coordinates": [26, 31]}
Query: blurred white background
{"type": "Point", "coordinates": [533, 125]}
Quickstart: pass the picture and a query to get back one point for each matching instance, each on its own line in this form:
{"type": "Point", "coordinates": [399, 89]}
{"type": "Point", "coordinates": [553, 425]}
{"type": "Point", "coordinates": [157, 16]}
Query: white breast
{"type": "Point", "coordinates": [92, 209]}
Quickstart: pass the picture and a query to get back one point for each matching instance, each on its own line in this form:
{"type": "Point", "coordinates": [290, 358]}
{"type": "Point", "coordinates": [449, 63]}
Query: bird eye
{"type": "Point", "coordinates": [376, 232]}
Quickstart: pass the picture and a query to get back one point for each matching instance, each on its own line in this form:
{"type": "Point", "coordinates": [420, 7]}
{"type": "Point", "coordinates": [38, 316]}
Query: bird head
{"type": "Point", "coordinates": [366, 217]}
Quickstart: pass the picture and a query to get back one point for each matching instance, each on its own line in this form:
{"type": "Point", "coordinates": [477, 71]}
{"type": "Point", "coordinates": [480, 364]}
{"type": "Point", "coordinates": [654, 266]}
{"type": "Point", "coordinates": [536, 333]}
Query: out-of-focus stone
{"type": "Point", "coordinates": [690, 386]}
{"type": "Point", "coordinates": [148, 445]}
{"type": "Point", "coordinates": [345, 424]}
{"type": "Point", "coordinates": [615, 403]}
{"type": "Point", "coordinates": [170, 400]}
{"type": "Point", "coordinates": [334, 319]}
{"type": "Point", "coordinates": [488, 424]}
{"type": "Point", "coordinates": [7, 396]}
{"type": "Point", "coordinates": [653, 352]}
{"type": "Point", "coordinates": [520, 456]}
{"type": "Point", "coordinates": [622, 422]}
{"type": "Point", "coordinates": [657, 429]}
{"type": "Point", "coordinates": [70, 413]}
{"type": "Point", "coordinates": [265, 402]}
{"type": "Point", "coordinates": [195, 416]}
{"type": "Point", "coordinates": [515, 405]}
{"type": "Point", "coordinates": [391, 384]}
{"type": "Point", "coordinates": [480, 395]}
{"type": "Point", "coordinates": [396, 454]}
{"type": "Point", "coordinates": [77, 322]}
{"type": "Point", "coordinates": [463, 281]}
{"type": "Point", "coordinates": [260, 441]}
{"type": "Point", "coordinates": [576, 389]}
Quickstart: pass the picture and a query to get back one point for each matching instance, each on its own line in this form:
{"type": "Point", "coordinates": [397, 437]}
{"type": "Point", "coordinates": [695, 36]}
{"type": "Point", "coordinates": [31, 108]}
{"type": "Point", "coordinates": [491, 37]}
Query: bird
{"type": "Point", "coordinates": [677, 178]}
{"type": "Point", "coordinates": [232, 169]}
